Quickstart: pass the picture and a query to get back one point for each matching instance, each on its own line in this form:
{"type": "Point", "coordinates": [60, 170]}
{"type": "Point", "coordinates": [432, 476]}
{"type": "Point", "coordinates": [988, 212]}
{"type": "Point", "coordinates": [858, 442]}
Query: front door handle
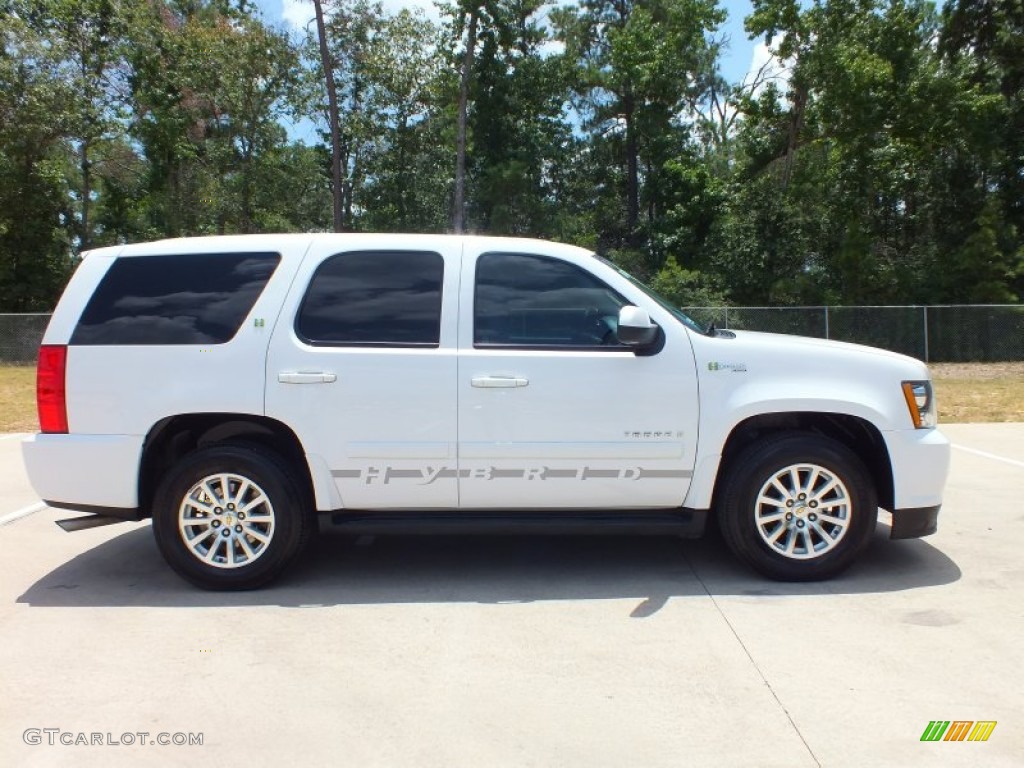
{"type": "Point", "coordinates": [306, 377]}
{"type": "Point", "coordinates": [489, 382]}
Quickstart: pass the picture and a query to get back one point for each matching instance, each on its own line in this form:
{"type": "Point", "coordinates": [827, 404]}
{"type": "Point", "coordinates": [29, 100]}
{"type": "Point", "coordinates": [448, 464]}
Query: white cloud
{"type": "Point", "coordinates": [766, 67]}
{"type": "Point", "coordinates": [551, 48]}
{"type": "Point", "coordinates": [298, 14]}
{"type": "Point", "coordinates": [430, 10]}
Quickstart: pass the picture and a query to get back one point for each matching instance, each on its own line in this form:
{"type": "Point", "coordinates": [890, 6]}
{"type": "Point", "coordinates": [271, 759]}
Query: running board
{"type": "Point", "coordinates": [73, 524]}
{"type": "Point", "coordinates": [688, 523]}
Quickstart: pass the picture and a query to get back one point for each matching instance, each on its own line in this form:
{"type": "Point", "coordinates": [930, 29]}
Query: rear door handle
{"type": "Point", "coordinates": [306, 377]}
{"type": "Point", "coordinates": [490, 382]}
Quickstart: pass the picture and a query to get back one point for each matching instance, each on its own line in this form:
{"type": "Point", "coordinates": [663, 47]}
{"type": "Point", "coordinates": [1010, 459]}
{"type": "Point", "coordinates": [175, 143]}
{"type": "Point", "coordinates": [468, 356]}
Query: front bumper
{"type": "Point", "coordinates": [920, 464]}
{"type": "Point", "coordinates": [914, 523]}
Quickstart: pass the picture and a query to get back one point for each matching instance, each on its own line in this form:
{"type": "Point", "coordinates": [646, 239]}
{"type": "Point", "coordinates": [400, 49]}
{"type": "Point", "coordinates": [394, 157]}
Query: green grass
{"type": "Point", "coordinates": [979, 392]}
{"type": "Point", "coordinates": [18, 398]}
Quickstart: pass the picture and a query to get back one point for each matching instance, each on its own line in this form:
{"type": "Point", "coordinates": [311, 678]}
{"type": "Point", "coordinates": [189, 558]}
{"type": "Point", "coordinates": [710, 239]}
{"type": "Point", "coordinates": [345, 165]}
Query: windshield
{"type": "Point", "coordinates": [664, 303]}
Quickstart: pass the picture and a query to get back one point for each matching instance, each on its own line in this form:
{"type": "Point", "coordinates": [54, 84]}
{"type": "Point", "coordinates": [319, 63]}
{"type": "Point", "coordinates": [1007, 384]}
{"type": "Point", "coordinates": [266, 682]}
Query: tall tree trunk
{"type": "Point", "coordinates": [632, 168]}
{"type": "Point", "coordinates": [247, 152]}
{"type": "Point", "coordinates": [403, 207]}
{"type": "Point", "coordinates": [459, 204]}
{"type": "Point", "coordinates": [332, 108]}
{"type": "Point", "coordinates": [352, 164]}
{"type": "Point", "coordinates": [84, 238]}
{"type": "Point", "coordinates": [796, 124]}
{"type": "Point", "coordinates": [651, 185]}
{"type": "Point", "coordinates": [84, 163]}
{"type": "Point", "coordinates": [173, 220]}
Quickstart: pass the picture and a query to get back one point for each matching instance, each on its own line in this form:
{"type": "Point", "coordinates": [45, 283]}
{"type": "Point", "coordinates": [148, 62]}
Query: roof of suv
{"type": "Point", "coordinates": [292, 242]}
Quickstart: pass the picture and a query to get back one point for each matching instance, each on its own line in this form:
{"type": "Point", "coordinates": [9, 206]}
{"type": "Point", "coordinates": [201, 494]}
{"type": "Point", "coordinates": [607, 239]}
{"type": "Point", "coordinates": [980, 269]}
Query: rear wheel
{"type": "Point", "coordinates": [799, 507]}
{"type": "Point", "coordinates": [230, 517]}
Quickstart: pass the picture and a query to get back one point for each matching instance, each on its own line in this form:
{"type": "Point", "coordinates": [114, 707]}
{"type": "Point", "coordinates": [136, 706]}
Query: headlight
{"type": "Point", "coordinates": [921, 403]}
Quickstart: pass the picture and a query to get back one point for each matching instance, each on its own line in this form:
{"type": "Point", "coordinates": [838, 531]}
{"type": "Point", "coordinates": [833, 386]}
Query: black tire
{"type": "Point", "coordinates": [284, 520]}
{"type": "Point", "coordinates": [737, 507]}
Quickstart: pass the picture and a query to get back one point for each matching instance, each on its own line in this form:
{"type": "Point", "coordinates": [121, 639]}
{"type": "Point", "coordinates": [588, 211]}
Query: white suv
{"type": "Point", "coordinates": [234, 387]}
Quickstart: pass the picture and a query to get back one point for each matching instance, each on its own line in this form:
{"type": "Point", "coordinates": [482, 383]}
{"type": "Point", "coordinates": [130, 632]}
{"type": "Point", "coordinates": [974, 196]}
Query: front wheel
{"type": "Point", "coordinates": [230, 517]}
{"type": "Point", "coordinates": [797, 508]}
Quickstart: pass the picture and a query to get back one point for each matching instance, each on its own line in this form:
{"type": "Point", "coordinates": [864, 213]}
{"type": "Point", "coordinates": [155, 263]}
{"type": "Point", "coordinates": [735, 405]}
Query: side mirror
{"type": "Point", "coordinates": [635, 327]}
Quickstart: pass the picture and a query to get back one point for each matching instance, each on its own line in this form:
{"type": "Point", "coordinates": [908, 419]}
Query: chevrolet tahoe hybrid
{"type": "Point", "coordinates": [235, 388]}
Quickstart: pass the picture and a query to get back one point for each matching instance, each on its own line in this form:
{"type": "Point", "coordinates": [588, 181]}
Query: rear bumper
{"type": "Point", "coordinates": [914, 523]}
{"type": "Point", "coordinates": [85, 472]}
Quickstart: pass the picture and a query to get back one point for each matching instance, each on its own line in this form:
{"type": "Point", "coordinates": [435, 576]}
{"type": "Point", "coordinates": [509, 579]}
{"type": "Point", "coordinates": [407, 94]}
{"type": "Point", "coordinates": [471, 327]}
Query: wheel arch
{"type": "Point", "coordinates": [858, 434]}
{"type": "Point", "coordinates": [174, 437]}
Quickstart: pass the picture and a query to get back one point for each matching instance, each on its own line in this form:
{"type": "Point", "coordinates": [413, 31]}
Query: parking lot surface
{"type": "Point", "coordinates": [515, 651]}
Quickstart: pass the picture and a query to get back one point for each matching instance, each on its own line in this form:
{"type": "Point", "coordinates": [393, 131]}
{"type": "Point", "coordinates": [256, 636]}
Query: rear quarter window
{"type": "Point", "coordinates": [174, 299]}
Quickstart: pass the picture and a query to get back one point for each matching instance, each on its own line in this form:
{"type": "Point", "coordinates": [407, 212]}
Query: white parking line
{"type": "Point", "coordinates": [13, 435]}
{"type": "Point", "coordinates": [988, 455]}
{"type": "Point", "coordinates": [10, 517]}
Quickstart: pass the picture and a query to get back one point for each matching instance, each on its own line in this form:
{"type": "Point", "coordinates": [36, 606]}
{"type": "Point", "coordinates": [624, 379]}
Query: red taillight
{"type": "Point", "coordinates": [53, 411]}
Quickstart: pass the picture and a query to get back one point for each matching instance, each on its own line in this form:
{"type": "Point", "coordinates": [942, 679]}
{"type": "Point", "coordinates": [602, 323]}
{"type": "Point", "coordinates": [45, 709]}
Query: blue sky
{"type": "Point", "coordinates": [736, 61]}
{"type": "Point", "coordinates": [741, 57]}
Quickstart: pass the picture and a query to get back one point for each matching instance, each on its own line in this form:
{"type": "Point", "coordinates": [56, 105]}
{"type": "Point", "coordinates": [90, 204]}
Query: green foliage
{"type": "Point", "coordinates": [888, 145]}
{"type": "Point", "coordinates": [637, 67]}
{"type": "Point", "coordinates": [36, 115]}
{"type": "Point", "coordinates": [886, 166]}
{"type": "Point", "coordinates": [685, 287]}
{"type": "Point", "coordinates": [410, 153]}
{"type": "Point", "coordinates": [209, 89]}
{"type": "Point", "coordinates": [770, 244]}
{"type": "Point", "coordinates": [518, 131]}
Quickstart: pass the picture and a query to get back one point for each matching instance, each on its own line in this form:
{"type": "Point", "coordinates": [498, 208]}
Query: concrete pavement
{"type": "Point", "coordinates": [545, 651]}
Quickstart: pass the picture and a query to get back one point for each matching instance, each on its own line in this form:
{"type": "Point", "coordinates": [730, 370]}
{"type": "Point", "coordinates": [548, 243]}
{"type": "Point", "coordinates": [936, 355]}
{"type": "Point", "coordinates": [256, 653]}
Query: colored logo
{"type": "Point", "coordinates": [958, 730]}
{"type": "Point", "coordinates": [734, 367]}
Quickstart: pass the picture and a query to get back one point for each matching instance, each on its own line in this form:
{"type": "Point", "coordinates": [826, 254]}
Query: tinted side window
{"type": "Point", "coordinates": [375, 298]}
{"type": "Point", "coordinates": [186, 299]}
{"type": "Point", "coordinates": [526, 300]}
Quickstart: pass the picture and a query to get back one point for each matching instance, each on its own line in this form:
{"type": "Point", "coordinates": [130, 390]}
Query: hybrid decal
{"type": "Point", "coordinates": [734, 367]}
{"type": "Point", "coordinates": [429, 475]}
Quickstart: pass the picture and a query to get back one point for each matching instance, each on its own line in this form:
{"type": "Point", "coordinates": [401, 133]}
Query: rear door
{"type": "Point", "coordinates": [362, 364]}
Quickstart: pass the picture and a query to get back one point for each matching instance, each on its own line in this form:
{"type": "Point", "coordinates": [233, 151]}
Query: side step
{"type": "Point", "coordinates": [688, 523]}
{"type": "Point", "coordinates": [73, 524]}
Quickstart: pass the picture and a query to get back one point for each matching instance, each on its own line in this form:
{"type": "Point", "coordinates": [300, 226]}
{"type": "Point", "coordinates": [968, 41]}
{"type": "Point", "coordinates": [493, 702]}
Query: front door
{"type": "Point", "coordinates": [553, 411]}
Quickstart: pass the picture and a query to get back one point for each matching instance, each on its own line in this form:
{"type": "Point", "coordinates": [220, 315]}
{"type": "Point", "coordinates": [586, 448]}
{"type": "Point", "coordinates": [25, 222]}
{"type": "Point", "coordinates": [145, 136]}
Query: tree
{"type": "Point", "coordinates": [521, 139]}
{"type": "Point", "coordinates": [37, 114]}
{"type": "Point", "coordinates": [408, 164]}
{"type": "Point", "coordinates": [639, 63]}
{"type": "Point", "coordinates": [470, 19]}
{"type": "Point", "coordinates": [873, 150]}
{"type": "Point", "coordinates": [209, 86]}
{"type": "Point", "coordinates": [87, 36]}
{"type": "Point", "coordinates": [985, 40]}
{"type": "Point", "coordinates": [351, 31]}
{"type": "Point", "coordinates": [333, 117]}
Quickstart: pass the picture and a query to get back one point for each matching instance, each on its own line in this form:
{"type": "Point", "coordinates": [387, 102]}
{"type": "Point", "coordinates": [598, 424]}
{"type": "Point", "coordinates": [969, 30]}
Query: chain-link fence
{"type": "Point", "coordinates": [20, 336]}
{"type": "Point", "coordinates": [949, 334]}
{"type": "Point", "coordinates": [964, 333]}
